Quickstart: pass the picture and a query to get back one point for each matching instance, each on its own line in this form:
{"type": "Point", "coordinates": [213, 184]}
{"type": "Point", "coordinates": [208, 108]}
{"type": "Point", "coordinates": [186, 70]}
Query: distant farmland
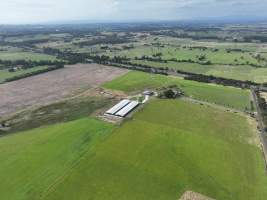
{"type": "Point", "coordinates": [25, 56]}
{"type": "Point", "coordinates": [239, 61]}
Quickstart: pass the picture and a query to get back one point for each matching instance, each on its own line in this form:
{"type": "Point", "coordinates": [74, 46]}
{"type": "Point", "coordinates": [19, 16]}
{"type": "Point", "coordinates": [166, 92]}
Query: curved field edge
{"type": "Point", "coordinates": [33, 161]}
{"type": "Point", "coordinates": [225, 96]}
{"type": "Point", "coordinates": [170, 147]}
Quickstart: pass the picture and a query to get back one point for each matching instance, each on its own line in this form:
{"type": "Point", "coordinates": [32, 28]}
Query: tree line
{"type": "Point", "coordinates": [26, 64]}
{"type": "Point", "coordinates": [14, 78]}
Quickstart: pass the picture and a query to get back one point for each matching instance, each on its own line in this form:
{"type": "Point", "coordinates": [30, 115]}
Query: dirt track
{"type": "Point", "coordinates": [262, 133]}
{"type": "Point", "coordinates": [52, 86]}
{"type": "Point", "coordinates": [189, 195]}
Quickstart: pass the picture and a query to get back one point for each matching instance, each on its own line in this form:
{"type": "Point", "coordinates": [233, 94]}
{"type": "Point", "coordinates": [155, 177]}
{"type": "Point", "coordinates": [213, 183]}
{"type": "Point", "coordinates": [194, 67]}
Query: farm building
{"type": "Point", "coordinates": [123, 108]}
{"type": "Point", "coordinates": [127, 109]}
{"type": "Point", "coordinates": [118, 107]}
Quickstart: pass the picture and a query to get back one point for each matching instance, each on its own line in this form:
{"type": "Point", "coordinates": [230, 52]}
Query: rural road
{"type": "Point", "coordinates": [261, 125]}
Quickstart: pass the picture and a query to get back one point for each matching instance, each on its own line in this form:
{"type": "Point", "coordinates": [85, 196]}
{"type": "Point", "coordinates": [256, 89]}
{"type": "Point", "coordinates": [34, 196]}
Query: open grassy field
{"type": "Point", "coordinates": [187, 52]}
{"type": "Point", "coordinates": [31, 162]}
{"type": "Point", "coordinates": [10, 55]}
{"type": "Point", "coordinates": [226, 96]}
{"type": "Point", "coordinates": [241, 72]}
{"type": "Point", "coordinates": [169, 147]}
{"type": "Point", "coordinates": [5, 74]}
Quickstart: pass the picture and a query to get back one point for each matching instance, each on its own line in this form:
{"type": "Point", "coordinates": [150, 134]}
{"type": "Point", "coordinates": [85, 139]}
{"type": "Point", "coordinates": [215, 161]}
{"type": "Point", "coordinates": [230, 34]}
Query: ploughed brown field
{"type": "Point", "coordinates": [52, 86]}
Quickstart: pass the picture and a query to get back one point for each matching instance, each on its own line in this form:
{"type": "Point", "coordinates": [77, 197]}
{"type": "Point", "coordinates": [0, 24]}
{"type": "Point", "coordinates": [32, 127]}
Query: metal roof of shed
{"type": "Point", "coordinates": [124, 111]}
{"type": "Point", "coordinates": [118, 107]}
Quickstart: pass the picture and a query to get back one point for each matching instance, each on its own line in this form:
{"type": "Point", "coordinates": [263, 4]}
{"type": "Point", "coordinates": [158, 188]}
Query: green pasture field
{"type": "Point", "coordinates": [10, 55]}
{"type": "Point", "coordinates": [181, 53]}
{"type": "Point", "coordinates": [169, 147]}
{"type": "Point", "coordinates": [5, 74]}
{"type": "Point", "coordinates": [32, 162]}
{"type": "Point", "coordinates": [243, 72]}
{"type": "Point", "coordinates": [226, 96]}
{"type": "Point", "coordinates": [252, 47]}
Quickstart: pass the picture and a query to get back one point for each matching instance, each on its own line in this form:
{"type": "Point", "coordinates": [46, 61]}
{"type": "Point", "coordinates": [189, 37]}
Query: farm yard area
{"type": "Point", "coordinates": [134, 82]}
{"type": "Point", "coordinates": [153, 111]}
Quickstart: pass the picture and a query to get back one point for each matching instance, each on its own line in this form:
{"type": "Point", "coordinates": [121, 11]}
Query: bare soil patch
{"type": "Point", "coordinates": [189, 195]}
{"type": "Point", "coordinates": [53, 86]}
{"type": "Point", "coordinates": [264, 95]}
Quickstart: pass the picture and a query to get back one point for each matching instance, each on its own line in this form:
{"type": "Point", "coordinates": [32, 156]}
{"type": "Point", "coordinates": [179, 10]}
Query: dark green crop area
{"type": "Point", "coordinates": [226, 96]}
{"type": "Point", "coordinates": [64, 111]}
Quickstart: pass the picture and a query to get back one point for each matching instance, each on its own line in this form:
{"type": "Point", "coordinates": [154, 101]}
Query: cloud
{"type": "Point", "coordinates": [52, 10]}
{"type": "Point", "coordinates": [22, 11]}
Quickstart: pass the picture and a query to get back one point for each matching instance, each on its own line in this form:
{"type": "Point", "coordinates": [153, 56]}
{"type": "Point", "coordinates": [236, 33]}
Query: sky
{"type": "Point", "coordinates": [45, 11]}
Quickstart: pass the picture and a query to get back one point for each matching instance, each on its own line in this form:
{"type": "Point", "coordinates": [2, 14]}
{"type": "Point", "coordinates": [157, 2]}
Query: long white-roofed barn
{"type": "Point", "coordinates": [127, 109]}
{"type": "Point", "coordinates": [118, 107]}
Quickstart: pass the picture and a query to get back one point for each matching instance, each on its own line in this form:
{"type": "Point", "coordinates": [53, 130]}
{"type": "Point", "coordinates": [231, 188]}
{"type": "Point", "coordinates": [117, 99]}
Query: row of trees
{"type": "Point", "coordinates": [201, 60]}
{"type": "Point", "coordinates": [25, 64]}
{"type": "Point", "coordinates": [112, 39]}
{"type": "Point", "coordinates": [14, 78]}
{"type": "Point", "coordinates": [219, 80]}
